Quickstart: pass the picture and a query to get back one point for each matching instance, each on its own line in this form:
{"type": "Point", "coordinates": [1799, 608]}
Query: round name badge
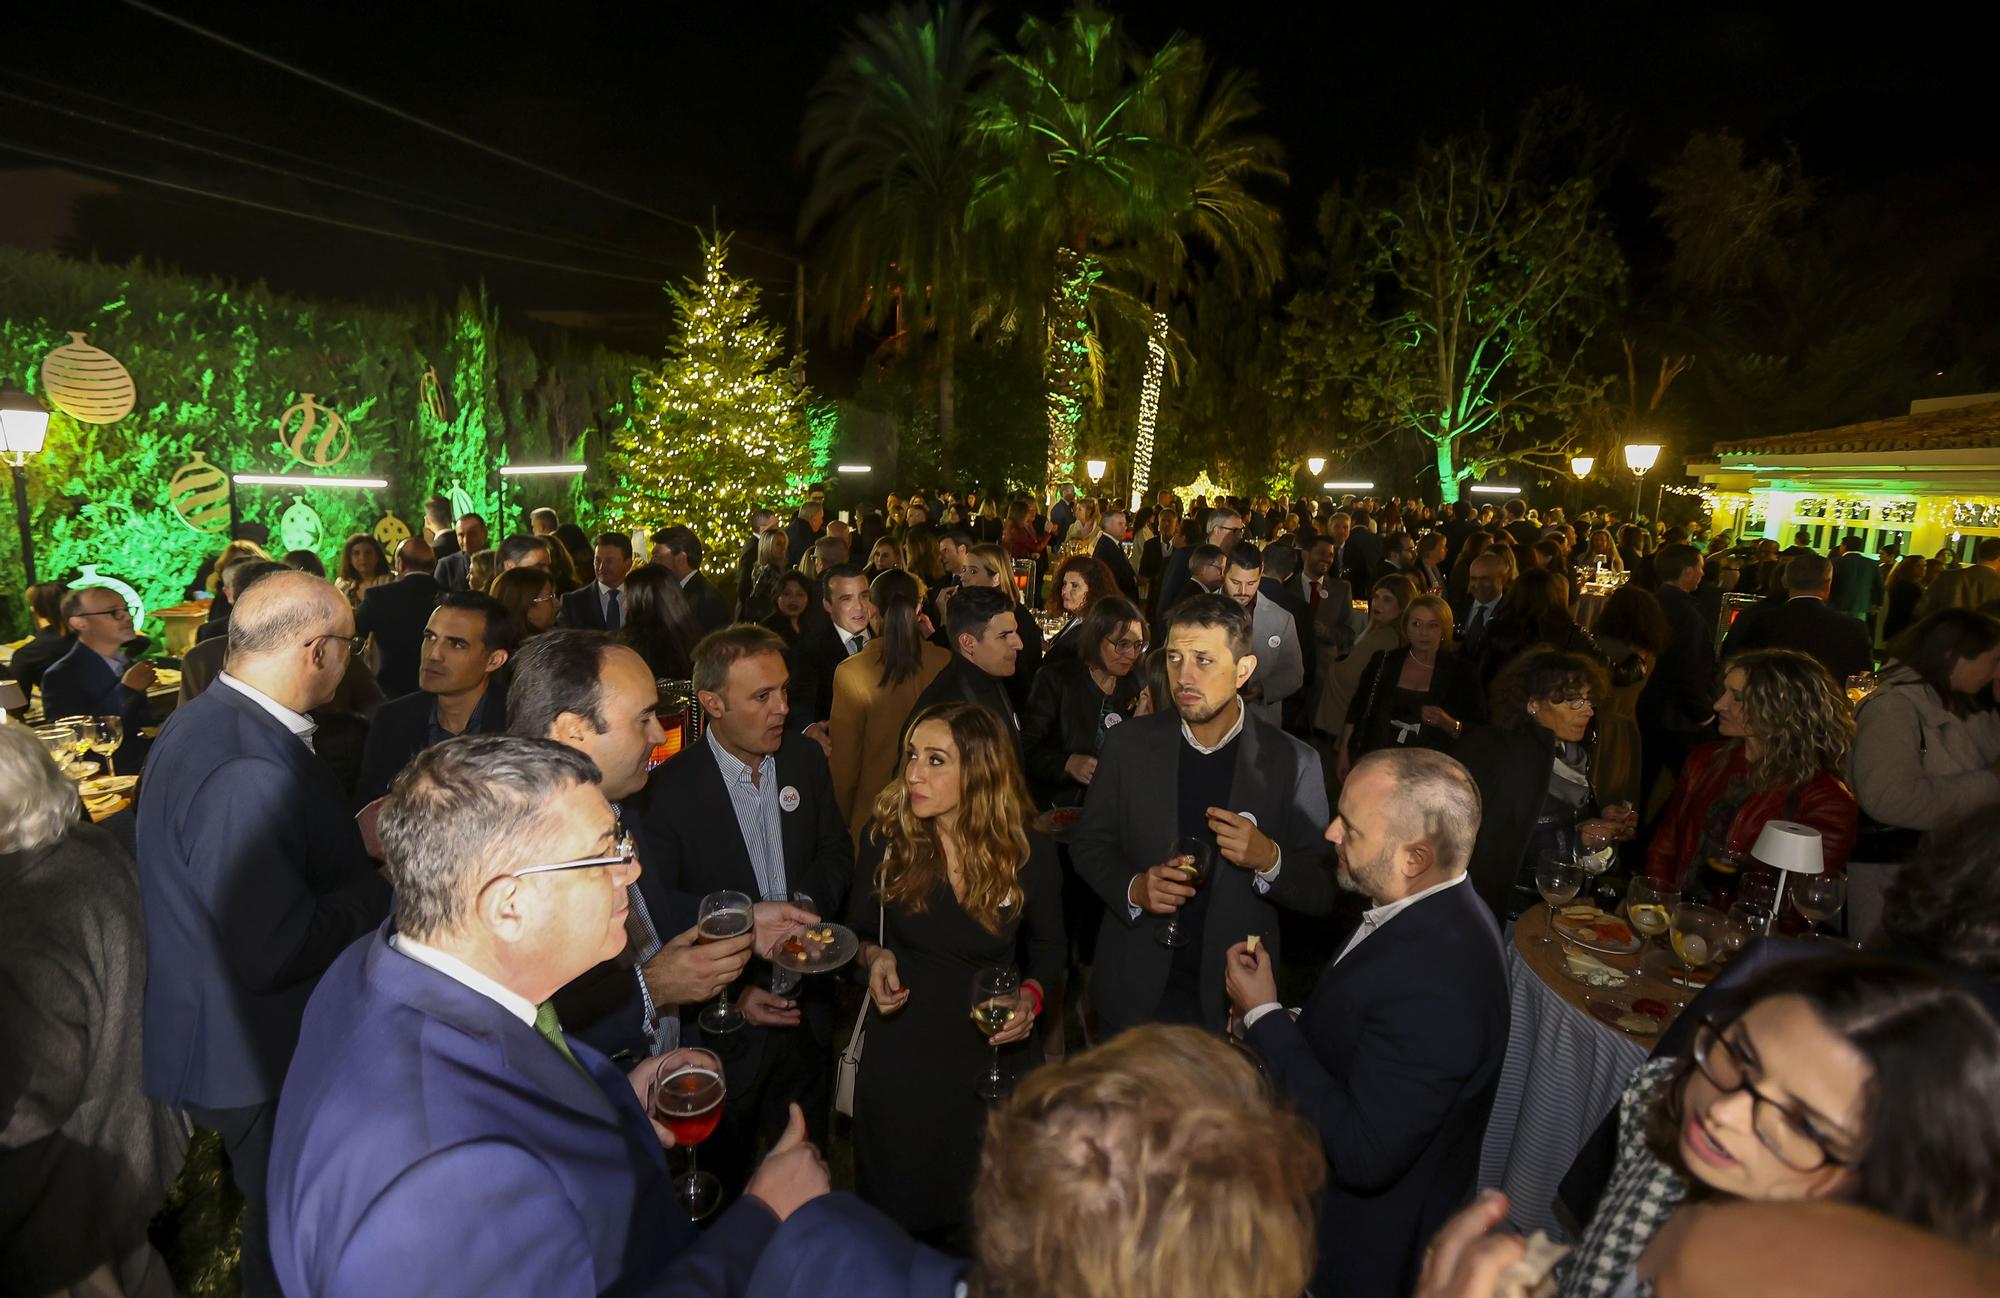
{"type": "Point", "coordinates": [1275, 641]}
{"type": "Point", "coordinates": [1111, 719]}
{"type": "Point", "coordinates": [788, 798]}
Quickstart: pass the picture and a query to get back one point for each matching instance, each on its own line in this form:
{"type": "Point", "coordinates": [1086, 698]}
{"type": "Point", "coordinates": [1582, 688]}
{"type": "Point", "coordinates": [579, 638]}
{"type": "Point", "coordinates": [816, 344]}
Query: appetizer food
{"type": "Point", "coordinates": [1592, 972]}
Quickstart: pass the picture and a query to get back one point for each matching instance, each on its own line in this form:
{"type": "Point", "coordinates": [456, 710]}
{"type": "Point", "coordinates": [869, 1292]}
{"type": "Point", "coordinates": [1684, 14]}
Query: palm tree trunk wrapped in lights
{"type": "Point", "coordinates": [1149, 407]}
{"type": "Point", "coordinates": [1067, 367]}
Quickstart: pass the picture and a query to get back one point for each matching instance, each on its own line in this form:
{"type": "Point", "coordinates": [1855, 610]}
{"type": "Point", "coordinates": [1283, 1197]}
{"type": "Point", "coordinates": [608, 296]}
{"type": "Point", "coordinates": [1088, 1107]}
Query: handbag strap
{"type": "Point", "coordinates": [868, 995]}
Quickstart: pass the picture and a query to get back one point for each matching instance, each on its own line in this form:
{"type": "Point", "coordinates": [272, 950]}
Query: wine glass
{"type": "Point", "coordinates": [83, 732]}
{"type": "Point", "coordinates": [723, 915]}
{"type": "Point", "coordinates": [1193, 857]}
{"type": "Point", "coordinates": [1698, 936]}
{"type": "Point", "coordinates": [686, 1099]}
{"type": "Point", "coordinates": [1819, 897]}
{"type": "Point", "coordinates": [1558, 881]}
{"type": "Point", "coordinates": [61, 743]}
{"type": "Point", "coordinates": [1650, 906]}
{"type": "Point", "coordinates": [995, 1002]}
{"type": "Point", "coordinates": [786, 981]}
{"type": "Point", "coordinates": [110, 734]}
{"type": "Point", "coordinates": [1748, 921]}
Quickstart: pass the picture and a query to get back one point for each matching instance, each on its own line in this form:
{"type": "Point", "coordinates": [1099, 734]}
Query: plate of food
{"type": "Point", "coordinates": [108, 784]}
{"type": "Point", "coordinates": [1058, 821]}
{"type": "Point", "coordinates": [816, 948]}
{"type": "Point", "coordinates": [1642, 1018]}
{"type": "Point", "coordinates": [1594, 930]}
{"type": "Point", "coordinates": [1583, 967]}
{"type": "Point", "coordinates": [1668, 967]}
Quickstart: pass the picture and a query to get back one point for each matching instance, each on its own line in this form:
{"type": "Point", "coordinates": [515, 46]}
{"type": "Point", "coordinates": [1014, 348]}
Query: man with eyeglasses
{"type": "Point", "coordinates": [442, 1132]}
{"type": "Point", "coordinates": [468, 640]}
{"type": "Point", "coordinates": [96, 678]}
{"type": "Point", "coordinates": [253, 877]}
{"type": "Point", "coordinates": [1225, 529]}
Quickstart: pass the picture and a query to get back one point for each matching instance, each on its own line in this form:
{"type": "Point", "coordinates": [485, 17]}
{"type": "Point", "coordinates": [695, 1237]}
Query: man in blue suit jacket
{"type": "Point", "coordinates": [253, 877]}
{"type": "Point", "coordinates": [95, 679]}
{"type": "Point", "coordinates": [1397, 1053]}
{"type": "Point", "coordinates": [439, 1133]}
{"type": "Point", "coordinates": [395, 613]}
{"type": "Point", "coordinates": [469, 638]}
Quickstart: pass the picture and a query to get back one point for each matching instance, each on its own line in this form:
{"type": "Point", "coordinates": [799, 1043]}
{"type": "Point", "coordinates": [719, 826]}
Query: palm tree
{"type": "Point", "coordinates": [1204, 117]}
{"type": "Point", "coordinates": [1077, 164]}
{"type": "Point", "coordinates": [889, 132]}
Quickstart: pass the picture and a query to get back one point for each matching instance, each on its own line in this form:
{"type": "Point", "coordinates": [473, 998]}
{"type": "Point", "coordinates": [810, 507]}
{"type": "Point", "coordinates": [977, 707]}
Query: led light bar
{"type": "Point", "coordinates": [280, 480]}
{"type": "Point", "coordinates": [534, 470]}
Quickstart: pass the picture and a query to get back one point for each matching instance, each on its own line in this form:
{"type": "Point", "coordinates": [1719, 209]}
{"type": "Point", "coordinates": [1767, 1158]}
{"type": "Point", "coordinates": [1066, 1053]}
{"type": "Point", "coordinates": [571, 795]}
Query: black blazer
{"type": "Point", "coordinates": [960, 680]}
{"type": "Point", "coordinates": [582, 609]}
{"type": "Point", "coordinates": [710, 613]}
{"type": "Point", "coordinates": [454, 570]}
{"type": "Point", "coordinates": [814, 658]}
{"type": "Point", "coordinates": [1394, 1061]}
{"type": "Point", "coordinates": [442, 546]}
{"type": "Point", "coordinates": [50, 644]}
{"type": "Point", "coordinates": [254, 879]}
{"type": "Point", "coordinates": [1112, 555]}
{"type": "Point", "coordinates": [81, 684]}
{"type": "Point", "coordinates": [1129, 825]}
{"type": "Point", "coordinates": [397, 731]}
{"type": "Point", "coordinates": [1062, 720]}
{"type": "Point", "coordinates": [1680, 694]}
{"type": "Point", "coordinates": [395, 614]}
{"type": "Point", "coordinates": [1841, 643]}
{"type": "Point", "coordinates": [698, 849]}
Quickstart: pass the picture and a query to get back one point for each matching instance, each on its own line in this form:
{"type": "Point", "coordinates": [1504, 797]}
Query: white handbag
{"type": "Point", "coordinates": [849, 1066]}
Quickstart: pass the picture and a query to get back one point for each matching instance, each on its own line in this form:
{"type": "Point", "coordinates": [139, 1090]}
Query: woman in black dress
{"type": "Point", "coordinates": [791, 596]}
{"type": "Point", "coordinates": [1418, 695]}
{"type": "Point", "coordinates": [950, 881]}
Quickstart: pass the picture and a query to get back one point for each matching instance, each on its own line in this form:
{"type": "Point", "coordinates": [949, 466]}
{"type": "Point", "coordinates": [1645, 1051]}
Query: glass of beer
{"type": "Point", "coordinates": [723, 915]}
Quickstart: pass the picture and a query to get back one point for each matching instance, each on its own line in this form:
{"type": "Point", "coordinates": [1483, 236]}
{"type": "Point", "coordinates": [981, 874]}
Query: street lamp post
{"type": "Point", "coordinates": [1640, 457]}
{"type": "Point", "coordinates": [24, 427]}
{"type": "Point", "coordinates": [1581, 465]}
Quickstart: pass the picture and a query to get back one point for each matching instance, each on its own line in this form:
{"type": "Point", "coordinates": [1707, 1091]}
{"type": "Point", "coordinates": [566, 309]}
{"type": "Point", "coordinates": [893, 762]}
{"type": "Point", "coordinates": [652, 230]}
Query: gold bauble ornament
{"type": "Point", "coordinates": [332, 443]}
{"type": "Point", "coordinates": [391, 532]}
{"type": "Point", "coordinates": [198, 493]}
{"type": "Point", "coordinates": [87, 383]}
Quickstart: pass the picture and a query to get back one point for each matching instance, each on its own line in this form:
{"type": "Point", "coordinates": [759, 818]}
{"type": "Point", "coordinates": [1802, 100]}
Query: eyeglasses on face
{"type": "Point", "coordinates": [1126, 646]}
{"type": "Point", "coordinates": [1788, 1135]}
{"type": "Point", "coordinates": [122, 613]}
{"type": "Point", "coordinates": [354, 643]}
{"type": "Point", "coordinates": [624, 854]}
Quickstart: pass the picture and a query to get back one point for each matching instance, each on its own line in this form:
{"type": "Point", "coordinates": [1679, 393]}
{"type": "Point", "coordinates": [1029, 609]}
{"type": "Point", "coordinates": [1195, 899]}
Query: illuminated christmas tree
{"type": "Point", "coordinates": [720, 428]}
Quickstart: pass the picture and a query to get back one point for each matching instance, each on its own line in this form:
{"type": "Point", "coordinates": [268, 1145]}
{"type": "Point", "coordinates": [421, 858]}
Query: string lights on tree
{"type": "Point", "coordinates": [1149, 406]}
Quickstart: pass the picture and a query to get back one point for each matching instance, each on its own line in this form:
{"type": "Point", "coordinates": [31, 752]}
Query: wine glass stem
{"type": "Point", "coordinates": [111, 762]}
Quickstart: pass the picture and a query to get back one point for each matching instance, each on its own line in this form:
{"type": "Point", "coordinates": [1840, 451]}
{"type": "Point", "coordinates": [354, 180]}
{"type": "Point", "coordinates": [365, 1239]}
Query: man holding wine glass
{"type": "Point", "coordinates": [1244, 795]}
{"type": "Point", "coordinates": [588, 692]}
{"type": "Point", "coordinates": [505, 1132]}
{"type": "Point", "coordinates": [96, 678]}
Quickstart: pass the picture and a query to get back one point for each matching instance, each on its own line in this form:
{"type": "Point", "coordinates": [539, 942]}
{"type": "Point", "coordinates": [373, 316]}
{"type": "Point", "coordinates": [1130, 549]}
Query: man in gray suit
{"type": "Point", "coordinates": [1209, 770]}
{"type": "Point", "coordinates": [1274, 637]}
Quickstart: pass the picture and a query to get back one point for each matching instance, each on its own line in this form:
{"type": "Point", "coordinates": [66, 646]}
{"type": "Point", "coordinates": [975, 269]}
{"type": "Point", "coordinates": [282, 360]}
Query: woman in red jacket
{"type": "Point", "coordinates": [1786, 729]}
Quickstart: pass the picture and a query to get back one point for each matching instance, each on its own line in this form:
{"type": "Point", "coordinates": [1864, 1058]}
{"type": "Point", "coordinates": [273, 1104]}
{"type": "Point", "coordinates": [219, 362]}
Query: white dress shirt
{"type": "Point", "coordinates": [460, 972]}
{"type": "Point", "coordinates": [1371, 920]}
{"type": "Point", "coordinates": [297, 722]}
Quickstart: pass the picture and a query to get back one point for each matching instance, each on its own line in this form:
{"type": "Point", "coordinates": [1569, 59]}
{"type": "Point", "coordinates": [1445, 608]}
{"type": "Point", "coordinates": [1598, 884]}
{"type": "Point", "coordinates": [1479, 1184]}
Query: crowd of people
{"type": "Point", "coordinates": [1179, 847]}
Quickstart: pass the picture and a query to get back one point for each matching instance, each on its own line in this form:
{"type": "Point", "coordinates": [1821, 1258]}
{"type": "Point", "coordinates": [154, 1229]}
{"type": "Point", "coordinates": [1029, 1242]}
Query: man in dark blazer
{"type": "Point", "coordinates": [678, 550]}
{"type": "Point", "coordinates": [96, 678]}
{"type": "Point", "coordinates": [1805, 623]}
{"type": "Point", "coordinates": [1679, 697]}
{"type": "Point", "coordinates": [1206, 769]}
{"type": "Point", "coordinates": [1225, 529]}
{"type": "Point", "coordinates": [469, 639]}
{"type": "Point", "coordinates": [751, 809]}
{"type": "Point", "coordinates": [253, 877]}
{"type": "Point", "coordinates": [440, 1132]}
{"type": "Point", "coordinates": [1281, 586]}
{"type": "Point", "coordinates": [395, 614]}
{"type": "Point", "coordinates": [454, 570]}
{"type": "Point", "coordinates": [1111, 553]}
{"type": "Point", "coordinates": [437, 527]}
{"type": "Point", "coordinates": [826, 643]}
{"type": "Point", "coordinates": [805, 528]}
{"type": "Point", "coordinates": [1351, 553]}
{"type": "Point", "coordinates": [986, 645]}
{"type": "Point", "coordinates": [600, 606]}
{"type": "Point", "coordinates": [1396, 1055]}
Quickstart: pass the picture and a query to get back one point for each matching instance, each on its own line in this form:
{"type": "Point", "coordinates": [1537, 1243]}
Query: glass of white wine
{"type": "Point", "coordinates": [1819, 898]}
{"type": "Point", "coordinates": [1650, 907]}
{"type": "Point", "coordinates": [1558, 881]}
{"type": "Point", "coordinates": [83, 732]}
{"type": "Point", "coordinates": [1699, 933]}
{"type": "Point", "coordinates": [110, 734]}
{"type": "Point", "coordinates": [995, 1002]}
{"type": "Point", "coordinates": [61, 743]}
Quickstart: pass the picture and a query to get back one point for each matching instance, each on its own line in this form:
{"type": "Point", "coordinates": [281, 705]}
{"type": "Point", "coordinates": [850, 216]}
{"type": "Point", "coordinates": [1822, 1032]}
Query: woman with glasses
{"type": "Point", "coordinates": [529, 596]}
{"type": "Point", "coordinates": [1532, 765]}
{"type": "Point", "coordinates": [1077, 698]}
{"type": "Point", "coordinates": [1860, 1080]}
{"type": "Point", "coordinates": [1786, 729]}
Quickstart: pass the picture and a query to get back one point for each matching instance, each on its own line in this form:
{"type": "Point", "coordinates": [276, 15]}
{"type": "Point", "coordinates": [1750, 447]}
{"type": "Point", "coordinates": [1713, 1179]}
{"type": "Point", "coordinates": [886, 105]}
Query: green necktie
{"type": "Point", "coordinates": [550, 1027]}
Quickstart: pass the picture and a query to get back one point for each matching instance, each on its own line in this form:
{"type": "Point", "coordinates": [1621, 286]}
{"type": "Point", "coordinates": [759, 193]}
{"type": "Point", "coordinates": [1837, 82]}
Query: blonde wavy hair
{"type": "Point", "coordinates": [1799, 712]}
{"type": "Point", "coordinates": [1437, 605]}
{"type": "Point", "coordinates": [991, 826]}
{"type": "Point", "coordinates": [1158, 1163]}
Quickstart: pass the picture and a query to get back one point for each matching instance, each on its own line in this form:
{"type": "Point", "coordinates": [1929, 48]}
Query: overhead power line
{"type": "Point", "coordinates": [437, 128]}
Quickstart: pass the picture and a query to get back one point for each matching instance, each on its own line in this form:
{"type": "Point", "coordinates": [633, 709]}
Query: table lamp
{"type": "Point", "coordinates": [1790, 848]}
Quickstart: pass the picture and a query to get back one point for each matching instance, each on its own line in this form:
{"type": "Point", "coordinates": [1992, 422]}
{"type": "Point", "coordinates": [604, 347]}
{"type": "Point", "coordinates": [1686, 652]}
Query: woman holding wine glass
{"type": "Point", "coordinates": [953, 894]}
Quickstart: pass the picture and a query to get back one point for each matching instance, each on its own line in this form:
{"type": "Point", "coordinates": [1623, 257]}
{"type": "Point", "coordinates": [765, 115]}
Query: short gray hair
{"type": "Point", "coordinates": [464, 812]}
{"type": "Point", "coordinates": [281, 611]}
{"type": "Point", "coordinates": [38, 803]}
{"type": "Point", "coordinates": [1435, 802]}
{"type": "Point", "coordinates": [1808, 572]}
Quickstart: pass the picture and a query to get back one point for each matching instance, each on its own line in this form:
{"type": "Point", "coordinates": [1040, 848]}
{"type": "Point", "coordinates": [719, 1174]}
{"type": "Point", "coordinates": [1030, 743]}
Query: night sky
{"type": "Point", "coordinates": [695, 110]}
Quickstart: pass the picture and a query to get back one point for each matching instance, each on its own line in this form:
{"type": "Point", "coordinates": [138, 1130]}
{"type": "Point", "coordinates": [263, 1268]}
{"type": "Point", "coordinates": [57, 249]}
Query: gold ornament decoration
{"type": "Point", "coordinates": [430, 390]}
{"type": "Point", "coordinates": [332, 444]}
{"type": "Point", "coordinates": [87, 383]}
{"type": "Point", "coordinates": [299, 528]}
{"type": "Point", "coordinates": [391, 532]}
{"type": "Point", "coordinates": [198, 493]}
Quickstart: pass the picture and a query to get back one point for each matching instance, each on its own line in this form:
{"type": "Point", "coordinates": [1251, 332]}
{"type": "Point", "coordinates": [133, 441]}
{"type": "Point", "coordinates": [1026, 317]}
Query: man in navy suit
{"type": "Point", "coordinates": [785, 836]}
{"type": "Point", "coordinates": [1111, 553]}
{"type": "Point", "coordinates": [1806, 623]}
{"type": "Point", "coordinates": [587, 692]}
{"type": "Point", "coordinates": [827, 643]}
{"type": "Point", "coordinates": [253, 877]}
{"type": "Point", "coordinates": [454, 569]}
{"type": "Point", "coordinates": [469, 639]}
{"type": "Point", "coordinates": [95, 678]}
{"type": "Point", "coordinates": [678, 550]}
{"type": "Point", "coordinates": [600, 606]}
{"type": "Point", "coordinates": [439, 1132]}
{"type": "Point", "coordinates": [395, 614]}
{"type": "Point", "coordinates": [1395, 1058]}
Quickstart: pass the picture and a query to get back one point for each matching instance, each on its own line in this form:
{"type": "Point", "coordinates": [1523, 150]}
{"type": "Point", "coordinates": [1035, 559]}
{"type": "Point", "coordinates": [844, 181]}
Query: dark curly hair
{"type": "Point", "coordinates": [1543, 673]}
